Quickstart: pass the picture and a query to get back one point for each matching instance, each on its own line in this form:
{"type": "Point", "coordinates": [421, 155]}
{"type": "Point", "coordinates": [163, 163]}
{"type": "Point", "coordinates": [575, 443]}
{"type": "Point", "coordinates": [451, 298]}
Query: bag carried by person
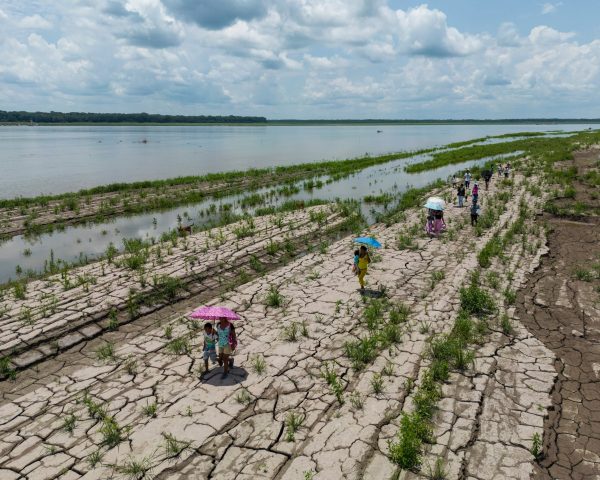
{"type": "Point", "coordinates": [232, 338]}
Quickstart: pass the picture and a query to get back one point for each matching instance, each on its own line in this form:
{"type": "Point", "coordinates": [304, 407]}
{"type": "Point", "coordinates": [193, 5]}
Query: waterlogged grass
{"type": "Point", "coordinates": [547, 149]}
{"type": "Point", "coordinates": [224, 180]}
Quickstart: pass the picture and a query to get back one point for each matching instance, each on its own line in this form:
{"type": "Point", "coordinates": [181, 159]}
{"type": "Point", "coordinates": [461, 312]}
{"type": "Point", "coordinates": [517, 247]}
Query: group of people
{"type": "Point", "coordinates": [223, 337]}
{"type": "Point", "coordinates": [463, 189]}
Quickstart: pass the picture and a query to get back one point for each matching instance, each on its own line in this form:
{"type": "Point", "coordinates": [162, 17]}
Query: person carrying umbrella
{"type": "Point", "coordinates": [363, 264]}
{"type": "Point", "coordinates": [364, 258]}
{"type": "Point", "coordinates": [227, 343]}
{"type": "Point", "coordinates": [226, 338]}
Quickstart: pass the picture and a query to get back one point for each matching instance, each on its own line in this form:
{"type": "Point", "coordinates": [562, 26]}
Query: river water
{"type": "Point", "coordinates": [44, 159]}
{"type": "Point", "coordinates": [38, 160]}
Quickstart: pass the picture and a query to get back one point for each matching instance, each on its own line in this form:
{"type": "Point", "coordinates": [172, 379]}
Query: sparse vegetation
{"type": "Point", "coordinates": [331, 377]}
{"type": "Point", "coordinates": [173, 446]}
{"type": "Point", "coordinates": [258, 364]}
{"type": "Point", "coordinates": [293, 421]}
{"type": "Point", "coordinates": [106, 352]}
{"type": "Point", "coordinates": [179, 346]}
{"type": "Point", "coordinates": [377, 383]}
{"type": "Point", "coordinates": [290, 332]}
{"type": "Point", "coordinates": [150, 409]}
{"type": "Point", "coordinates": [536, 445]}
{"type": "Point", "coordinates": [69, 423]}
{"type": "Point", "coordinates": [135, 469]}
{"type": "Point", "coordinates": [6, 368]}
{"type": "Point", "coordinates": [243, 397]}
{"type": "Point", "coordinates": [274, 298]}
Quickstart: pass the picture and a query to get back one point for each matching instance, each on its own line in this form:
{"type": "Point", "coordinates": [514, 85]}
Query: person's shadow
{"type": "Point", "coordinates": [236, 376]}
{"type": "Point", "coordinates": [371, 293]}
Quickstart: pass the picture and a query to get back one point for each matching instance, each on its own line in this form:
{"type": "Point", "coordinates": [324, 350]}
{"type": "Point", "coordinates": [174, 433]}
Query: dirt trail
{"type": "Point", "coordinates": [563, 311]}
{"type": "Point", "coordinates": [237, 427]}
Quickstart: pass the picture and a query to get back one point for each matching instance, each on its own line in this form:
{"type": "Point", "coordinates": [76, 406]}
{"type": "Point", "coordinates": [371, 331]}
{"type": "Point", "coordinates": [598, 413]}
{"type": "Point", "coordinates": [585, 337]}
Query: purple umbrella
{"type": "Point", "coordinates": [214, 313]}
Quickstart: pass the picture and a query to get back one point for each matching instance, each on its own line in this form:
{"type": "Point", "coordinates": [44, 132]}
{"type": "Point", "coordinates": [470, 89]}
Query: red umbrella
{"type": "Point", "coordinates": [214, 313]}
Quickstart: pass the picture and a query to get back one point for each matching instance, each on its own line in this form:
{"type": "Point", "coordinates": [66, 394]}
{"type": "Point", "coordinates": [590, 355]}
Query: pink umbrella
{"type": "Point", "coordinates": [214, 313]}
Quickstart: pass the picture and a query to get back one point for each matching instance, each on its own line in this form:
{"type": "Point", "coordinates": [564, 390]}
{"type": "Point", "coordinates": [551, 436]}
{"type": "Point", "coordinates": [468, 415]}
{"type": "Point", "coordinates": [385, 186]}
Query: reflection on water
{"type": "Point", "coordinates": [74, 243]}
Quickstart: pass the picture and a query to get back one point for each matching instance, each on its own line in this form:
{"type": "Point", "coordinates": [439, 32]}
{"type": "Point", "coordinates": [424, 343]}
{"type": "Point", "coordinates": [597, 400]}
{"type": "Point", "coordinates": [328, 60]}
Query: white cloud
{"type": "Point", "coordinates": [543, 35]}
{"type": "Point", "coordinates": [508, 36]}
{"type": "Point", "coordinates": [426, 32]}
{"type": "Point", "coordinates": [291, 58]}
{"type": "Point", "coordinates": [550, 7]}
{"type": "Point", "coordinates": [34, 22]}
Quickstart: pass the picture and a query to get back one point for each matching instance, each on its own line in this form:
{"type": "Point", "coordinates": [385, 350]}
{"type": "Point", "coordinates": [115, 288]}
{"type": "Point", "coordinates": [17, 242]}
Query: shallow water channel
{"type": "Point", "coordinates": [76, 243]}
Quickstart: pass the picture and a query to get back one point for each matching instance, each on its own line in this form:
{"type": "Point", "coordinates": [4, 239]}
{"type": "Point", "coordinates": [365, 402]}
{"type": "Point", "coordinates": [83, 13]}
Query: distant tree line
{"type": "Point", "coordinates": [82, 117]}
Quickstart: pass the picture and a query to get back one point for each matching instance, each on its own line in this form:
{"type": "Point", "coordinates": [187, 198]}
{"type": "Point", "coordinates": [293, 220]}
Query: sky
{"type": "Point", "coordinates": [303, 58]}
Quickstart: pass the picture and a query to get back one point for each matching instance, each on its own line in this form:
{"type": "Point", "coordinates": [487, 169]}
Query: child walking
{"type": "Point", "coordinates": [355, 265]}
{"type": "Point", "coordinates": [210, 346]}
{"type": "Point", "coordinates": [363, 264]}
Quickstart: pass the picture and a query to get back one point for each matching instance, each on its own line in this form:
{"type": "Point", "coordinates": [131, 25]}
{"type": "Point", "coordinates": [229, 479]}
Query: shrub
{"type": "Point", "coordinates": [6, 368]}
{"type": "Point", "coordinates": [179, 346]}
{"type": "Point", "coordinates": [112, 433]}
{"type": "Point", "coordinates": [293, 421]}
{"type": "Point", "coordinates": [258, 364]}
{"type": "Point", "coordinates": [510, 296]}
{"type": "Point", "coordinates": [406, 450]}
{"type": "Point", "coordinates": [274, 298]}
{"type": "Point", "coordinates": [106, 352]}
{"type": "Point", "coordinates": [290, 332]}
{"type": "Point", "coordinates": [505, 324]}
{"type": "Point", "coordinates": [377, 383]}
{"type": "Point", "coordinates": [476, 301]}
{"type": "Point", "coordinates": [361, 352]}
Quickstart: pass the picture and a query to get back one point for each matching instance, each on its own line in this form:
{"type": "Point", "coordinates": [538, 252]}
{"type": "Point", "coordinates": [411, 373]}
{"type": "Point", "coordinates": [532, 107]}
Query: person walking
{"type": "Point", "coordinates": [487, 176]}
{"type": "Point", "coordinates": [475, 192]}
{"type": "Point", "coordinates": [467, 179]}
{"type": "Point", "coordinates": [363, 264]}
{"type": "Point", "coordinates": [209, 349]}
{"type": "Point", "coordinates": [227, 342]}
{"type": "Point", "coordinates": [475, 212]}
{"type": "Point", "coordinates": [461, 195]}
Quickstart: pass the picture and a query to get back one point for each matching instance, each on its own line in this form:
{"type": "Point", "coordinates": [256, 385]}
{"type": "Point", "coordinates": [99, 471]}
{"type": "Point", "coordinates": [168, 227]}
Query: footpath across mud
{"type": "Point", "coordinates": [561, 307]}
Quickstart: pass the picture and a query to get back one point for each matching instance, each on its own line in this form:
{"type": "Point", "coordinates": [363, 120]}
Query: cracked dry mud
{"type": "Point", "coordinates": [65, 310]}
{"type": "Point", "coordinates": [564, 313]}
{"type": "Point", "coordinates": [236, 428]}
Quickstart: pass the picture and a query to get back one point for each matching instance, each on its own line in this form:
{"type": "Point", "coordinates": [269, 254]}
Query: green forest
{"type": "Point", "coordinates": [112, 118]}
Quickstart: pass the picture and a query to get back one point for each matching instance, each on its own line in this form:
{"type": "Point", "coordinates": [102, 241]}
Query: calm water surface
{"type": "Point", "coordinates": [92, 240]}
{"type": "Point", "coordinates": [44, 160]}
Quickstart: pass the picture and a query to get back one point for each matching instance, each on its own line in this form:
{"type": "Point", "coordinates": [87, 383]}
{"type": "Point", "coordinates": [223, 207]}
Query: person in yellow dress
{"type": "Point", "coordinates": [363, 264]}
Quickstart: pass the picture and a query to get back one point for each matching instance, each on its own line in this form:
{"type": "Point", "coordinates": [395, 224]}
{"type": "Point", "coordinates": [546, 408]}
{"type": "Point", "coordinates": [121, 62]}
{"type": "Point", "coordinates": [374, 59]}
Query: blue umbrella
{"type": "Point", "coordinates": [369, 241]}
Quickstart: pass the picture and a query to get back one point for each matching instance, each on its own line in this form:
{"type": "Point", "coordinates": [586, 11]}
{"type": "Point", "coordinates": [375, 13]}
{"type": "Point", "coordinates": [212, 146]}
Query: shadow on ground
{"type": "Point", "coordinates": [236, 376]}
